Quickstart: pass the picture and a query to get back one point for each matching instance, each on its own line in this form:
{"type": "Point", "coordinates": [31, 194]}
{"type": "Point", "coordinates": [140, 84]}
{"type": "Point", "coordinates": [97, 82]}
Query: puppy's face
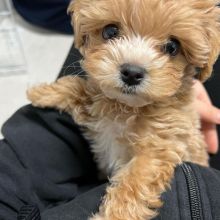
{"type": "Point", "coordinates": [145, 51]}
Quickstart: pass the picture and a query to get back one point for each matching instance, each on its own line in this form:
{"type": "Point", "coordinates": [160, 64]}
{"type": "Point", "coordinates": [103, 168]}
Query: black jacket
{"type": "Point", "coordinates": [47, 170]}
{"type": "Point", "coordinates": [44, 161]}
{"type": "Point", "coordinates": [49, 14]}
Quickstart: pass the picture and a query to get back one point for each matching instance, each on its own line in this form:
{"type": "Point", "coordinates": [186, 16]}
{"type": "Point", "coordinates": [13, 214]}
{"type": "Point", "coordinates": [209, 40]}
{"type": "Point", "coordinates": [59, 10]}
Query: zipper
{"type": "Point", "coordinates": [194, 192]}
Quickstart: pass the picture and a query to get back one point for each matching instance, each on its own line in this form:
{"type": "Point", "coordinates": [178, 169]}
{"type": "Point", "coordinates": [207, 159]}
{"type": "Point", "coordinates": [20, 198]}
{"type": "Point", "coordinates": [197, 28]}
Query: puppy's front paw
{"type": "Point", "coordinates": [39, 95]}
{"type": "Point", "coordinates": [64, 94]}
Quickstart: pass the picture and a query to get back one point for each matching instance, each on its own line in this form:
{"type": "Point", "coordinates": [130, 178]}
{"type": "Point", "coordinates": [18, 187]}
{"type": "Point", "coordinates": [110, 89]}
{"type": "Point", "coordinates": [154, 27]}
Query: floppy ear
{"type": "Point", "coordinates": [211, 25]}
{"type": "Point", "coordinates": [76, 10]}
{"type": "Point", "coordinates": [199, 33]}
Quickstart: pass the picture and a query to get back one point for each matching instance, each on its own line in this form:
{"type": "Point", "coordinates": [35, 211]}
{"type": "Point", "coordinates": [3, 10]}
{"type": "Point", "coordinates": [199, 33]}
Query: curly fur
{"type": "Point", "coordinates": [138, 134]}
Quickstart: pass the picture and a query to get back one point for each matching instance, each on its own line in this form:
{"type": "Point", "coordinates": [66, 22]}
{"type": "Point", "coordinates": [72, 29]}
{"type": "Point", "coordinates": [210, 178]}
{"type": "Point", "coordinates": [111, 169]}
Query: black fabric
{"type": "Point", "coordinates": [80, 208]}
{"type": "Point", "coordinates": [29, 212]}
{"type": "Point", "coordinates": [209, 180]}
{"type": "Point", "coordinates": [176, 200]}
{"type": "Point", "coordinates": [50, 14]}
{"type": "Point", "coordinates": [44, 161]}
{"type": "Point", "coordinates": [71, 65]}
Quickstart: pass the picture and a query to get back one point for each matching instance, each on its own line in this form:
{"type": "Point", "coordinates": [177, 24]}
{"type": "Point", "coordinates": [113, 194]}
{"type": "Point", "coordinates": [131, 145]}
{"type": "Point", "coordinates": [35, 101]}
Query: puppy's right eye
{"type": "Point", "coordinates": [172, 47]}
{"type": "Point", "coordinates": [110, 31]}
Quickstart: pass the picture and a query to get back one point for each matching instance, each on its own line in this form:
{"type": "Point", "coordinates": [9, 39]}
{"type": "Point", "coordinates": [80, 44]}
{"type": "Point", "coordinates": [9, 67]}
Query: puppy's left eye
{"type": "Point", "coordinates": [172, 47]}
{"type": "Point", "coordinates": [110, 31]}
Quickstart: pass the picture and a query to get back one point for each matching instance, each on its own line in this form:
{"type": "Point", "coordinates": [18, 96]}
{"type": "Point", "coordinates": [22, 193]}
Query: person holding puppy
{"type": "Point", "coordinates": [209, 115]}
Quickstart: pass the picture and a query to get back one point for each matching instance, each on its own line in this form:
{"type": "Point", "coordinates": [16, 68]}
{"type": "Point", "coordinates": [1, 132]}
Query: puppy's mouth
{"type": "Point", "coordinates": [129, 90]}
{"type": "Point", "coordinates": [128, 95]}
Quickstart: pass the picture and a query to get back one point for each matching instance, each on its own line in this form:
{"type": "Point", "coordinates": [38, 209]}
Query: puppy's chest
{"type": "Point", "coordinates": [109, 152]}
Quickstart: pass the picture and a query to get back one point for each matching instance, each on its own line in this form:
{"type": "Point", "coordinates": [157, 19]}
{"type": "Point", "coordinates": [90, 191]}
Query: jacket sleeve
{"type": "Point", "coordinates": [44, 161]}
{"type": "Point", "coordinates": [80, 208]}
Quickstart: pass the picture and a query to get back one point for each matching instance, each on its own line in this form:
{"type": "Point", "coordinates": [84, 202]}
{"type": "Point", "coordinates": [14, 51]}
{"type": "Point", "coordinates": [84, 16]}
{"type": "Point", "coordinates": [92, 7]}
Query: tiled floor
{"type": "Point", "coordinates": [45, 53]}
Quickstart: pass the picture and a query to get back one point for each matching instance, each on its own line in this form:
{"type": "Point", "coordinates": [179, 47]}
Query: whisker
{"type": "Point", "coordinates": [78, 74]}
{"type": "Point", "coordinates": [74, 65]}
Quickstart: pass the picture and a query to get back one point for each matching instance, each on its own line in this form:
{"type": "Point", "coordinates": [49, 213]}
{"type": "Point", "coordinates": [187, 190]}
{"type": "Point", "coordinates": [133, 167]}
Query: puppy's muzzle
{"type": "Point", "coordinates": [132, 75]}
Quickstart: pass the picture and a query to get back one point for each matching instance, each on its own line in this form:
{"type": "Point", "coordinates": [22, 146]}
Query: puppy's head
{"type": "Point", "coordinates": [142, 51]}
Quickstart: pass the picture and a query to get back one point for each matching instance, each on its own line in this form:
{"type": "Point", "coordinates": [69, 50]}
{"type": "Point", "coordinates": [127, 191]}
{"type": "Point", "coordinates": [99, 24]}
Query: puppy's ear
{"type": "Point", "coordinates": [75, 9]}
{"type": "Point", "coordinates": [199, 35]}
{"type": "Point", "coordinates": [211, 34]}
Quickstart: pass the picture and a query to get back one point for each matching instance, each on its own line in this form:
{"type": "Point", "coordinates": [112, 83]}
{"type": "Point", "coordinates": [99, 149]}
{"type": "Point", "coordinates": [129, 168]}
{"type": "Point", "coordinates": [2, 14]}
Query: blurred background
{"type": "Point", "coordinates": [32, 49]}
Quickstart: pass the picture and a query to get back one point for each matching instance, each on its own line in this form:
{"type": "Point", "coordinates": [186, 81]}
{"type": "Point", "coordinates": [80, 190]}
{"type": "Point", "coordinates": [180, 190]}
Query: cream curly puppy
{"type": "Point", "coordinates": [135, 104]}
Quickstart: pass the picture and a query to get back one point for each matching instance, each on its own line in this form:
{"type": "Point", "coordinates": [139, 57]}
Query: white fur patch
{"type": "Point", "coordinates": [137, 50]}
{"type": "Point", "coordinates": [109, 153]}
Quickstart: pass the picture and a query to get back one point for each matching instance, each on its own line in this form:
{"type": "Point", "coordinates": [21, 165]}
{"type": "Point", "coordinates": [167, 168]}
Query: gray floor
{"type": "Point", "coordinates": [44, 53]}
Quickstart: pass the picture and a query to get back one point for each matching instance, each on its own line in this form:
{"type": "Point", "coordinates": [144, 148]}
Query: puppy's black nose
{"type": "Point", "coordinates": [132, 75]}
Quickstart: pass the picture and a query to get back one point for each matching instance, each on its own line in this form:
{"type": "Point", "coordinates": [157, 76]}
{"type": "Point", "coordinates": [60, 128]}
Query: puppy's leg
{"type": "Point", "coordinates": [136, 189]}
{"type": "Point", "coordinates": [65, 94]}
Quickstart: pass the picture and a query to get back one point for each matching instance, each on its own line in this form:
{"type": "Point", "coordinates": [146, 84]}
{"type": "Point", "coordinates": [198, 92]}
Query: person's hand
{"type": "Point", "coordinates": [210, 116]}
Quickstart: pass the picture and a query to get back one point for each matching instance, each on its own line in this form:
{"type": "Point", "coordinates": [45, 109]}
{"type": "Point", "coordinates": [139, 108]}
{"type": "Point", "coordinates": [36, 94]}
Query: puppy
{"type": "Point", "coordinates": [135, 103]}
